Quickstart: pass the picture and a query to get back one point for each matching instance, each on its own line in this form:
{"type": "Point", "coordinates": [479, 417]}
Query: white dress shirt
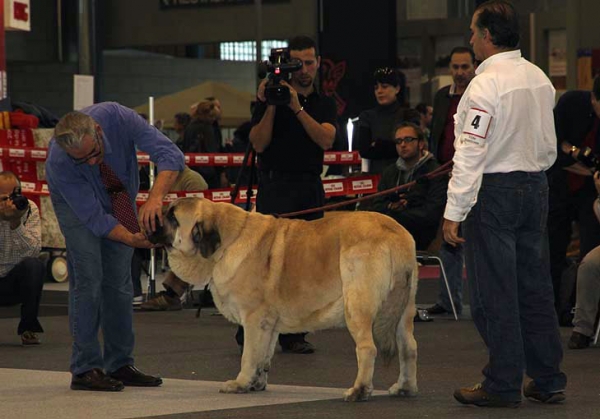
{"type": "Point", "coordinates": [504, 123]}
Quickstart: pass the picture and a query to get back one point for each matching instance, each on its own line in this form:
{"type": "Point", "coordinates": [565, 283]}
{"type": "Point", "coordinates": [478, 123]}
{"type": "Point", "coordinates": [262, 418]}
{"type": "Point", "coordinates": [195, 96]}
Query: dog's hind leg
{"type": "Point", "coordinates": [407, 353]}
{"type": "Point", "coordinates": [258, 340]}
{"type": "Point", "coordinates": [360, 324]}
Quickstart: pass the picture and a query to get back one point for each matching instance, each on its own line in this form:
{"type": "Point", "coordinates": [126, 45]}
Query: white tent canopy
{"type": "Point", "coordinates": [235, 103]}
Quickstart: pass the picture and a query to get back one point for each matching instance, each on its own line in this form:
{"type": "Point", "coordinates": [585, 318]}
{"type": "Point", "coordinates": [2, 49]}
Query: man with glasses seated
{"type": "Point", "coordinates": [92, 175]}
{"type": "Point", "coordinates": [419, 209]}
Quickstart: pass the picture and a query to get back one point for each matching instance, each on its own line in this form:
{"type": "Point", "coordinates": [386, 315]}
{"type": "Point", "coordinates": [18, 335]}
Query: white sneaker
{"type": "Point", "coordinates": [138, 300]}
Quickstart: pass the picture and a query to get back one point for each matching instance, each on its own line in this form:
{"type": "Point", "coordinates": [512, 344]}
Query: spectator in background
{"type": "Point", "coordinates": [425, 116]}
{"type": "Point", "coordinates": [420, 208]}
{"type": "Point", "coordinates": [462, 69]}
{"type": "Point", "coordinates": [199, 137]}
{"type": "Point", "coordinates": [588, 289]}
{"type": "Point", "coordinates": [376, 125]}
{"type": "Point", "coordinates": [217, 122]}
{"type": "Point", "coordinates": [181, 121]}
{"type": "Point", "coordinates": [239, 144]}
{"type": "Point", "coordinates": [572, 191]}
{"type": "Point", "coordinates": [21, 272]}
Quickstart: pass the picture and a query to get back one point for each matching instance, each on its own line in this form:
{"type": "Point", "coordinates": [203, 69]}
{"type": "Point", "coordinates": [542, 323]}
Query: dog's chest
{"type": "Point", "coordinates": [225, 306]}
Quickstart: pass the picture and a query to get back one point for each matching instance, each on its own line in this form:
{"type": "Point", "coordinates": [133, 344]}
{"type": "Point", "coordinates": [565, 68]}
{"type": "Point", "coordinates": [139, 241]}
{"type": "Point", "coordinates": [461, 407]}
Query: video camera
{"type": "Point", "coordinates": [587, 157]}
{"type": "Point", "coordinates": [279, 67]}
{"type": "Point", "coordinates": [18, 199]}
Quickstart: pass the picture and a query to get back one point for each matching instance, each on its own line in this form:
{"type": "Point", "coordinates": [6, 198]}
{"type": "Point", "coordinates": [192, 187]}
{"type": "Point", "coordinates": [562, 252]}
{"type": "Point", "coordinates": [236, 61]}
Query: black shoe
{"type": "Point", "coordinates": [298, 347]}
{"type": "Point", "coordinates": [579, 341]}
{"type": "Point", "coordinates": [131, 376]}
{"type": "Point", "coordinates": [477, 396]}
{"type": "Point", "coordinates": [95, 380]}
{"type": "Point", "coordinates": [437, 309]}
{"type": "Point", "coordinates": [422, 316]}
{"type": "Point", "coordinates": [532, 392]}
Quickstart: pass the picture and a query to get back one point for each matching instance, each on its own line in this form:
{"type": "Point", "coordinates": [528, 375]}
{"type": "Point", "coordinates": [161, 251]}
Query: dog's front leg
{"type": "Point", "coordinates": [259, 344]}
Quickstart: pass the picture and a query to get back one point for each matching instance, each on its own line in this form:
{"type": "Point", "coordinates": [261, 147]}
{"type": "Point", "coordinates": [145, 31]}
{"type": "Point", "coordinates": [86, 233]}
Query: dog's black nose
{"type": "Point", "coordinates": [159, 236]}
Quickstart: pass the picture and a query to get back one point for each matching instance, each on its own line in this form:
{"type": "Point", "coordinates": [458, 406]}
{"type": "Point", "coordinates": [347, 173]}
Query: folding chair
{"type": "Point", "coordinates": [423, 257]}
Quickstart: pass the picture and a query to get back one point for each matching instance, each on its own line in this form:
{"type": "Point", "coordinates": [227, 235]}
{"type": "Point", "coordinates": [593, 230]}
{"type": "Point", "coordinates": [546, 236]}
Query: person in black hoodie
{"type": "Point", "coordinates": [419, 209]}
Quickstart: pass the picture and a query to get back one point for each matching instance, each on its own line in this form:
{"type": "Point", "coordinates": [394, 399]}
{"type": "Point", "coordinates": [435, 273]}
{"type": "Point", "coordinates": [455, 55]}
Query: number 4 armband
{"type": "Point", "coordinates": [477, 126]}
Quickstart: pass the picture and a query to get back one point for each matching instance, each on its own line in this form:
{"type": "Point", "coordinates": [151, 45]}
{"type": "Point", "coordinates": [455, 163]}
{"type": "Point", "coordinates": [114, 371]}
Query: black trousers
{"type": "Point", "coordinates": [284, 192]}
{"type": "Point", "coordinates": [23, 285]}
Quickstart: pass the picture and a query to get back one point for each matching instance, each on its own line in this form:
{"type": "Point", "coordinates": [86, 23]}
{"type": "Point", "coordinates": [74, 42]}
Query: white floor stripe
{"type": "Point", "coordinates": [46, 394]}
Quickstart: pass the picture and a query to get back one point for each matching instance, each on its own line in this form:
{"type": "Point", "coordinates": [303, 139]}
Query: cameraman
{"type": "Point", "coordinates": [21, 272]}
{"type": "Point", "coordinates": [572, 191]}
{"type": "Point", "coordinates": [290, 141]}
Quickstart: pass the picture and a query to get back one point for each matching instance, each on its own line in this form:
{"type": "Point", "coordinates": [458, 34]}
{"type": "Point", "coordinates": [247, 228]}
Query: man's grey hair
{"type": "Point", "coordinates": [71, 129]}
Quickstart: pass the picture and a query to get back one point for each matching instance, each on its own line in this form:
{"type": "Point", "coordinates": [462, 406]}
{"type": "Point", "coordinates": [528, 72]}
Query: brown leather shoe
{"type": "Point", "coordinates": [162, 302]}
{"type": "Point", "coordinates": [477, 396]}
{"type": "Point", "coordinates": [30, 338]}
{"type": "Point", "coordinates": [95, 380]}
{"type": "Point", "coordinates": [131, 376]}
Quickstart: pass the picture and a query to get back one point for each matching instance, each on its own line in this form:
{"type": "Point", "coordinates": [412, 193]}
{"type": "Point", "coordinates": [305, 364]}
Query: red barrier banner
{"type": "Point", "coordinates": [332, 187]}
{"type": "Point", "coordinates": [18, 144]}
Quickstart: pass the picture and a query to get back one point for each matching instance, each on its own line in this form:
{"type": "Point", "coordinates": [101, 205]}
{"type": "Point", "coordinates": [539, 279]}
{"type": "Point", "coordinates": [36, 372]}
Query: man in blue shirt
{"type": "Point", "coordinates": [92, 175]}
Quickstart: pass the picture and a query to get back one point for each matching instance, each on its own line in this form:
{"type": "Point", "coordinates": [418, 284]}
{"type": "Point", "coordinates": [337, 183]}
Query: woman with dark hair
{"type": "Point", "coordinates": [376, 125]}
{"type": "Point", "coordinates": [199, 137]}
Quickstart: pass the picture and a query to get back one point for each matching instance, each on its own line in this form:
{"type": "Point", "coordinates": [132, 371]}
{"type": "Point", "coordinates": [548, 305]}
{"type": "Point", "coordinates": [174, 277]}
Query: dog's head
{"type": "Point", "coordinates": [189, 227]}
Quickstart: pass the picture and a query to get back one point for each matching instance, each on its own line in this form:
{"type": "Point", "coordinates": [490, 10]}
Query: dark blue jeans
{"type": "Point", "coordinates": [100, 295]}
{"type": "Point", "coordinates": [512, 302]}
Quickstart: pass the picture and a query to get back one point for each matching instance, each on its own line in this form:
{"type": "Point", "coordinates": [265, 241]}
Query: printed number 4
{"type": "Point", "coordinates": [475, 122]}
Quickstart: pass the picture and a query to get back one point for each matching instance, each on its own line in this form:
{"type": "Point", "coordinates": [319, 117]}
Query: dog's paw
{"type": "Point", "coordinates": [232, 386]}
{"type": "Point", "coordinates": [358, 394]}
{"type": "Point", "coordinates": [403, 391]}
{"type": "Point", "coordinates": [258, 386]}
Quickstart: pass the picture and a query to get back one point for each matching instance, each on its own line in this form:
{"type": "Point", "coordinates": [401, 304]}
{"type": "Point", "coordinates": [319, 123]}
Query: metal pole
{"type": "Point", "coordinates": [258, 4]}
{"type": "Point", "coordinates": [59, 27]}
{"type": "Point", "coordinates": [152, 268]}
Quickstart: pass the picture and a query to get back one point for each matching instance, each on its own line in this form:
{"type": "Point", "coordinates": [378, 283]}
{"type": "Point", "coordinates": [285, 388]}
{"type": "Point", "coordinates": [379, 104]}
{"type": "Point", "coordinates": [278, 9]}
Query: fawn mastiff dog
{"type": "Point", "coordinates": [275, 275]}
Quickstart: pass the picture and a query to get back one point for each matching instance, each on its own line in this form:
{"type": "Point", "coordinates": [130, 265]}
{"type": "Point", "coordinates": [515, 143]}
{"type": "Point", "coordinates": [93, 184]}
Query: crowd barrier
{"type": "Point", "coordinates": [24, 152]}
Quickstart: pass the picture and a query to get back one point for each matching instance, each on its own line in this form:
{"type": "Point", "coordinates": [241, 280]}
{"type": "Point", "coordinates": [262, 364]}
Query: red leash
{"type": "Point", "coordinates": [440, 171]}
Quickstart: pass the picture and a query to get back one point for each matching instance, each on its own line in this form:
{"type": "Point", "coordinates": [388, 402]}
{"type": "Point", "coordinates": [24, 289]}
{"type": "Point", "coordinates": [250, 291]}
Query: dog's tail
{"type": "Point", "coordinates": [403, 292]}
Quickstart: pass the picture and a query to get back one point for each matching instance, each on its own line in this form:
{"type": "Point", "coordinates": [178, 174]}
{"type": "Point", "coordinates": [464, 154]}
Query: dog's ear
{"type": "Point", "coordinates": [208, 241]}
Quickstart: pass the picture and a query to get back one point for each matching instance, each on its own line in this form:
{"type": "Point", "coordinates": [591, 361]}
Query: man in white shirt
{"type": "Point", "coordinates": [505, 139]}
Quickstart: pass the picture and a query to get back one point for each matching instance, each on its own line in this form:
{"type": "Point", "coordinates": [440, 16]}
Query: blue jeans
{"type": "Point", "coordinates": [512, 301]}
{"type": "Point", "coordinates": [452, 258]}
{"type": "Point", "coordinates": [100, 295]}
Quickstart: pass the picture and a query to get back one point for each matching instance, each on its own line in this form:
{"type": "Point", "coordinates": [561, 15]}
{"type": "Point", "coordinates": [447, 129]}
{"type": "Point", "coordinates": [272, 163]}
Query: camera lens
{"type": "Point", "coordinates": [20, 202]}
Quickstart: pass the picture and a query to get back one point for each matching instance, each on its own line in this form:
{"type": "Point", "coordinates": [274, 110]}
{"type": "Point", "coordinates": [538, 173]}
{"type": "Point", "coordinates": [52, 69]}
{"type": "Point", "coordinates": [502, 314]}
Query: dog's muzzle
{"type": "Point", "coordinates": [160, 236]}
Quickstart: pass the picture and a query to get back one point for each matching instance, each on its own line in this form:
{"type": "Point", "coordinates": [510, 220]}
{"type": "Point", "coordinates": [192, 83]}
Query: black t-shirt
{"type": "Point", "coordinates": [291, 148]}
